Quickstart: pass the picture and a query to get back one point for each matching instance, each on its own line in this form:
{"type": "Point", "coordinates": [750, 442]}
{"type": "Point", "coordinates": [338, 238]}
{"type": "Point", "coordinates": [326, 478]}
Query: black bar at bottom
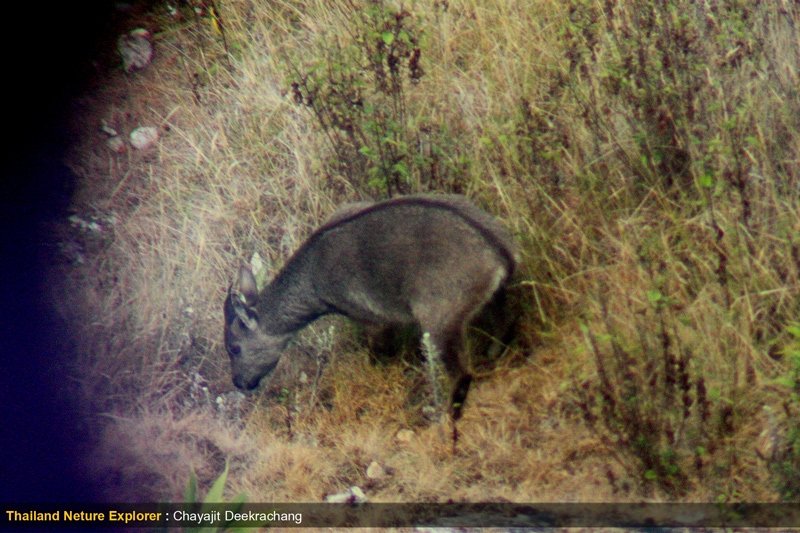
{"type": "Point", "coordinates": [105, 516]}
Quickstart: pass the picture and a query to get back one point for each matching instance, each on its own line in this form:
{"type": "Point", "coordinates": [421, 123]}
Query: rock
{"type": "Point", "coordinates": [135, 49]}
{"type": "Point", "coordinates": [229, 405]}
{"type": "Point", "coordinates": [116, 145]}
{"type": "Point", "coordinates": [375, 471]}
{"type": "Point", "coordinates": [108, 130]}
{"type": "Point", "coordinates": [404, 436]}
{"type": "Point", "coordinates": [144, 137]}
{"type": "Point", "coordinates": [91, 226]}
{"type": "Point", "coordinates": [351, 495]}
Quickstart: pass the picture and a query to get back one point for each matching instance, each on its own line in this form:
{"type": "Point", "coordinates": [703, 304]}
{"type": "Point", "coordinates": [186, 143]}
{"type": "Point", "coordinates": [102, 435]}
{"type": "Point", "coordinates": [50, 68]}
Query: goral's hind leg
{"type": "Point", "coordinates": [457, 400]}
{"type": "Point", "coordinates": [449, 342]}
{"type": "Point", "coordinates": [445, 318]}
{"type": "Point", "coordinates": [459, 396]}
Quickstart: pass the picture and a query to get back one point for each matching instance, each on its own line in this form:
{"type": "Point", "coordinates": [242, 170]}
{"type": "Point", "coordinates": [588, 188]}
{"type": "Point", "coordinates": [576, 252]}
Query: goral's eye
{"type": "Point", "coordinates": [234, 349]}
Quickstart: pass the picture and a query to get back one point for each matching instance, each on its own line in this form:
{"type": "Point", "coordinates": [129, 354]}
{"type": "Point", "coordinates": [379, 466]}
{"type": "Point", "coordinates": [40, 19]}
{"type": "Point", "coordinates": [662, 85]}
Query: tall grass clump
{"type": "Point", "coordinates": [357, 88]}
{"type": "Point", "coordinates": [783, 454]}
{"type": "Point", "coordinates": [693, 127]}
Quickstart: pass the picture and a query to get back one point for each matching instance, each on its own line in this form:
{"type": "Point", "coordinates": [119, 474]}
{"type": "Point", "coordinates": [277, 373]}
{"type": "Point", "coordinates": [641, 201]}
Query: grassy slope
{"type": "Point", "coordinates": [647, 165]}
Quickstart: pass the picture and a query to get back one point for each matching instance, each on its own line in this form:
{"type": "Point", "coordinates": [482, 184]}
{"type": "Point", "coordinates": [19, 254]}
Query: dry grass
{"type": "Point", "coordinates": [656, 207]}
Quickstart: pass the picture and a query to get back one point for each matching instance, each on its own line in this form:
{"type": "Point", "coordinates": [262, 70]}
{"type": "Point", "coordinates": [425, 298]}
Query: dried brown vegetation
{"type": "Point", "coordinates": [644, 155]}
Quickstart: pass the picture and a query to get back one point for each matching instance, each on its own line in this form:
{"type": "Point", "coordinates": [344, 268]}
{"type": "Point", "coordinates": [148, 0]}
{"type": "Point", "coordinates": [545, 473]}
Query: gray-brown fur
{"type": "Point", "coordinates": [429, 261]}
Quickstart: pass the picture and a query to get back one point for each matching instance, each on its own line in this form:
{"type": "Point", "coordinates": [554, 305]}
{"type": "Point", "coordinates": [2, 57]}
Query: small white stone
{"type": "Point", "coordinates": [404, 436]}
{"type": "Point", "coordinates": [108, 130]}
{"type": "Point", "coordinates": [135, 49]}
{"type": "Point", "coordinates": [140, 32]}
{"type": "Point", "coordinates": [144, 137]}
{"type": "Point", "coordinates": [116, 145]}
{"type": "Point", "coordinates": [339, 497]}
{"type": "Point", "coordinates": [352, 495]}
{"type": "Point", "coordinates": [375, 471]}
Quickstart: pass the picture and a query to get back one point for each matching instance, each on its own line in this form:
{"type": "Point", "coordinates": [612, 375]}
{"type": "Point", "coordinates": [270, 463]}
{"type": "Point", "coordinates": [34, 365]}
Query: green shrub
{"type": "Point", "coordinates": [357, 91]}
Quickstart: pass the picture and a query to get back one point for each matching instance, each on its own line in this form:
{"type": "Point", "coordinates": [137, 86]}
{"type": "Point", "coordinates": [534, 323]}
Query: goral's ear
{"type": "Point", "coordinates": [247, 286]}
{"type": "Point", "coordinates": [248, 316]}
{"type": "Point", "coordinates": [243, 296]}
